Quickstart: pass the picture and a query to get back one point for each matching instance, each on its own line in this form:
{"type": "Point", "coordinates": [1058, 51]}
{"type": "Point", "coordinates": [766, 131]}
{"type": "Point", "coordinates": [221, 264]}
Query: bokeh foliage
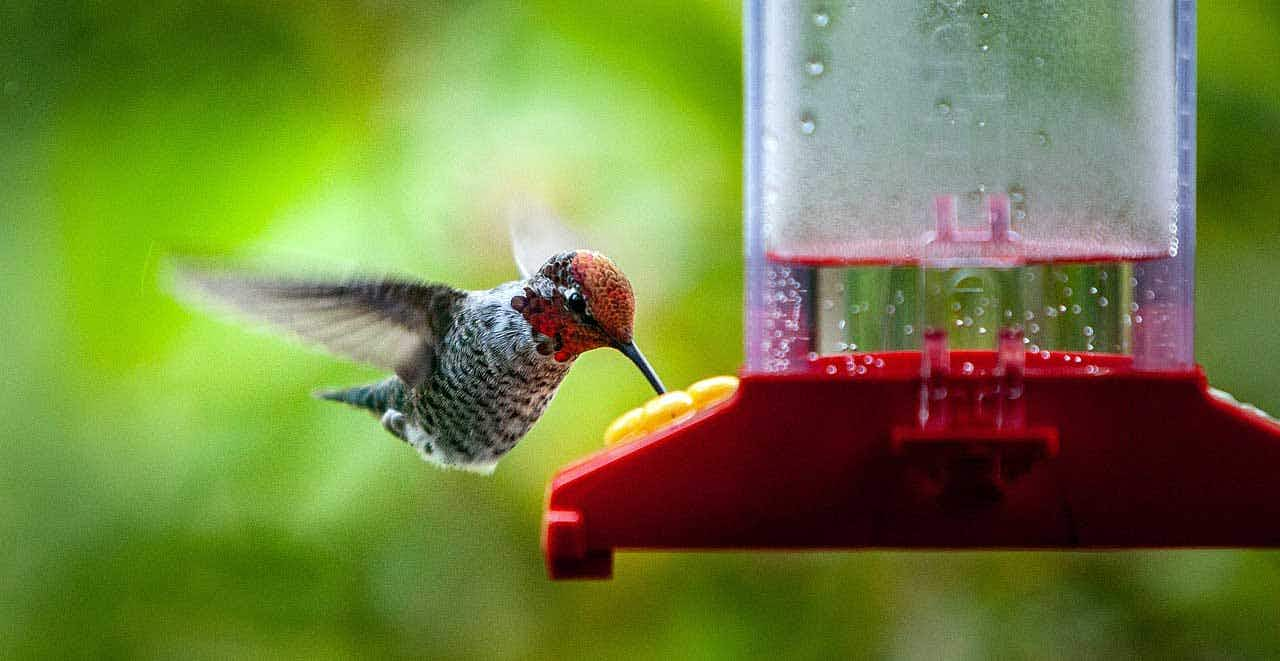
{"type": "Point", "coordinates": [167, 488]}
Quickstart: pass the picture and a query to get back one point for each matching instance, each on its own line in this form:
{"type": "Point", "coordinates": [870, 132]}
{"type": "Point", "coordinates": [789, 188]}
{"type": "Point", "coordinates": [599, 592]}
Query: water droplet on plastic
{"type": "Point", "coordinates": [907, 330]}
{"type": "Point", "coordinates": [966, 367]}
{"type": "Point", "coordinates": [1067, 291]}
{"type": "Point", "coordinates": [813, 355]}
{"type": "Point", "coordinates": [1088, 331]}
{"type": "Point", "coordinates": [807, 124]}
{"type": "Point", "coordinates": [831, 369]}
{"type": "Point", "coordinates": [821, 19]}
{"type": "Point", "coordinates": [1043, 138]}
{"type": "Point", "coordinates": [1102, 301]}
{"type": "Point", "coordinates": [815, 67]}
{"type": "Point", "coordinates": [1075, 309]}
{"type": "Point", "coordinates": [985, 15]}
{"type": "Point", "coordinates": [1038, 61]}
{"type": "Point", "coordinates": [944, 108]}
{"type": "Point", "coordinates": [984, 48]}
{"type": "Point", "coordinates": [982, 123]}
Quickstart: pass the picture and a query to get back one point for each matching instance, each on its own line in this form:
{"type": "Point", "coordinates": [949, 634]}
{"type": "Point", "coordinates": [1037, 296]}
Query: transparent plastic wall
{"type": "Point", "coordinates": [977, 168]}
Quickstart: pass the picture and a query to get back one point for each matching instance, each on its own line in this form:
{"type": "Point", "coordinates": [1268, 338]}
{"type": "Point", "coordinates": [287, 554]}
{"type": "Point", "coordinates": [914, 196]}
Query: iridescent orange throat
{"type": "Point", "coordinates": [560, 333]}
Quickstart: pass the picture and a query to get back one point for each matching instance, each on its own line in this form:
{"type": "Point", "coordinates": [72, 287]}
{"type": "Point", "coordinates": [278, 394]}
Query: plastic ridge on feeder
{"type": "Point", "coordinates": [969, 318]}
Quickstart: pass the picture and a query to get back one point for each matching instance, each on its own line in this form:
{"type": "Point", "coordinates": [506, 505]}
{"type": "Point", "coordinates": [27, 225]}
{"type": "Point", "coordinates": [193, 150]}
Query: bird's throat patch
{"type": "Point", "coordinates": [554, 328]}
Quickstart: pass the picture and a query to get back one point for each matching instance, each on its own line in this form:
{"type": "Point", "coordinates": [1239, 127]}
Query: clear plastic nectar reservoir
{"type": "Point", "coordinates": [970, 171]}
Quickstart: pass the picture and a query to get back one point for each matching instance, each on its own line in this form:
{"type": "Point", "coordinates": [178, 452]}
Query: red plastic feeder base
{"type": "Point", "coordinates": [1101, 457]}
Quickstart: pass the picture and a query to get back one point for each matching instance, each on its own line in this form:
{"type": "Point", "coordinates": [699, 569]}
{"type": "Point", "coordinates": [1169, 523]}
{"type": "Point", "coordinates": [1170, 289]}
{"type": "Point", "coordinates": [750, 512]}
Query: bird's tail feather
{"type": "Point", "coordinates": [376, 397]}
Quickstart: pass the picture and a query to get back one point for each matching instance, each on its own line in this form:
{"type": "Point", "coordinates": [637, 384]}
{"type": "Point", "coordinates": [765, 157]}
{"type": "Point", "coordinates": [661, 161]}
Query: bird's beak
{"type": "Point", "coordinates": [630, 351]}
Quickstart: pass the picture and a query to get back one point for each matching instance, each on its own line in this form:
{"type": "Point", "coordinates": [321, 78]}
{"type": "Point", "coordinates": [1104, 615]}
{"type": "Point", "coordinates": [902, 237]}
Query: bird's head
{"type": "Point", "coordinates": [579, 300]}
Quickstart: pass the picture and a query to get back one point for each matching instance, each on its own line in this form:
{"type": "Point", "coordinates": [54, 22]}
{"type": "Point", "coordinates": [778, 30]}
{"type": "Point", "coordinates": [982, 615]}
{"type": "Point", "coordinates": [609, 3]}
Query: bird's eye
{"type": "Point", "coordinates": [576, 302]}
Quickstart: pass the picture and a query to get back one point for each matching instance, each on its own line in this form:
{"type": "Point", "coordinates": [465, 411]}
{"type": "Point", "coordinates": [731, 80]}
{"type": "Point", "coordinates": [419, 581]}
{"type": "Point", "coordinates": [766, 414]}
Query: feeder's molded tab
{"type": "Point", "coordinates": [565, 542]}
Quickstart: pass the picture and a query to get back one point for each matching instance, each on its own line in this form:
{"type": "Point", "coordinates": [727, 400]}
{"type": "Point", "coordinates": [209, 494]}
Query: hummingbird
{"type": "Point", "coordinates": [472, 370]}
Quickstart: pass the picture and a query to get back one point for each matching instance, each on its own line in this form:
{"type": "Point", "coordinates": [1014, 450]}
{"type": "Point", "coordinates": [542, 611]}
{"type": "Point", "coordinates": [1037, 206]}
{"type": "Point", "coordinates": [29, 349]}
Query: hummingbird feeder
{"type": "Point", "coordinates": [970, 230]}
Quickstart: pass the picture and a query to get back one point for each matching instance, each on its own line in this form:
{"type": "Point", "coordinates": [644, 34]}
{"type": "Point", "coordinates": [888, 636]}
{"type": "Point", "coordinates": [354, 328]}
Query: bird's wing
{"type": "Point", "coordinates": [392, 324]}
{"type": "Point", "coordinates": [537, 234]}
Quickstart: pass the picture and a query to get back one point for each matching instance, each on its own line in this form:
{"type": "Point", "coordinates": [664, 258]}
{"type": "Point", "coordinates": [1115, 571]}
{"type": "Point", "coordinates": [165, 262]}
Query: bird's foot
{"type": "Point", "coordinates": [394, 422]}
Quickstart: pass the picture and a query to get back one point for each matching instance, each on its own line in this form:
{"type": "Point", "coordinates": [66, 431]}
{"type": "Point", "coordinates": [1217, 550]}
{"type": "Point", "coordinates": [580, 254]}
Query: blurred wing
{"type": "Point", "coordinates": [391, 324]}
{"type": "Point", "coordinates": [537, 234]}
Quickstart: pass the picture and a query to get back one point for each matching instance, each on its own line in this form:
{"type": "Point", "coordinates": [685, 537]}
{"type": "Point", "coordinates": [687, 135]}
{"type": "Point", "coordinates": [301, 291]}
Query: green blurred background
{"type": "Point", "coordinates": [167, 488]}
